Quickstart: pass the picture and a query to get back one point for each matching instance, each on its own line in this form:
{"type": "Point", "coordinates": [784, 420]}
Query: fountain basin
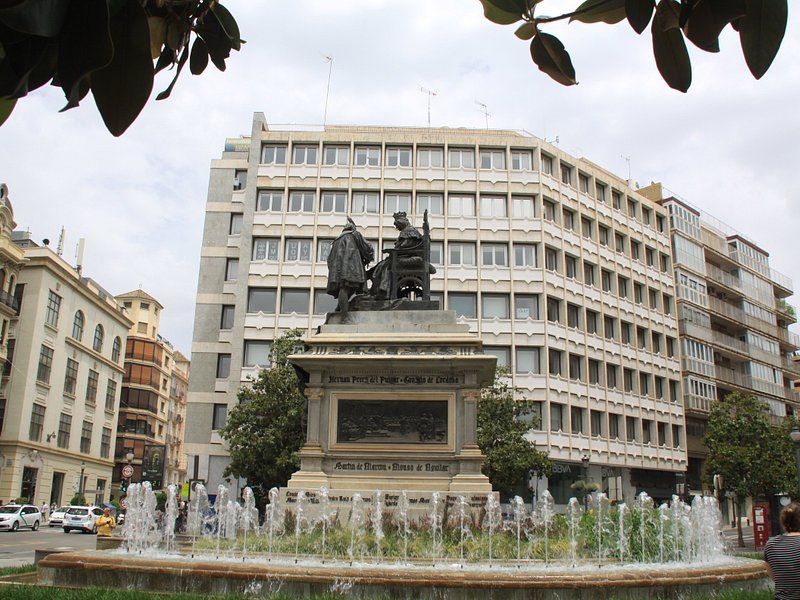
{"type": "Point", "coordinates": [530, 581]}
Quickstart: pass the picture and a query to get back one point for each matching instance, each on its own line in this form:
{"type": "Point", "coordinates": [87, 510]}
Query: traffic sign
{"type": "Point", "coordinates": [127, 471]}
{"type": "Point", "coordinates": [123, 503]}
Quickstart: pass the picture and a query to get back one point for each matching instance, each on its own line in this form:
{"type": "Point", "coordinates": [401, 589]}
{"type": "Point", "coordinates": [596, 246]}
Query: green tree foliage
{"type": "Point", "coordinates": [267, 428]}
{"type": "Point", "coordinates": [752, 457]}
{"type": "Point", "coordinates": [108, 48]}
{"type": "Point", "coordinates": [761, 25]}
{"type": "Point", "coordinates": [504, 416]}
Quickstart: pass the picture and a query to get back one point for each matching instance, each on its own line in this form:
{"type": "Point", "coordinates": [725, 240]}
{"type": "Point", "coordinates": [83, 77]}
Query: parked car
{"type": "Point", "coordinates": [57, 516]}
{"type": "Point", "coordinates": [14, 516]}
{"type": "Point", "coordinates": [83, 518]}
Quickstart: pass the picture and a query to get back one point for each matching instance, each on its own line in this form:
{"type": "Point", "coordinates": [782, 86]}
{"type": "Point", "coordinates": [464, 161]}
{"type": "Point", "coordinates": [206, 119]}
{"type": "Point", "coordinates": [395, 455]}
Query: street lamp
{"type": "Point", "coordinates": [585, 463]}
{"type": "Point", "coordinates": [80, 483]}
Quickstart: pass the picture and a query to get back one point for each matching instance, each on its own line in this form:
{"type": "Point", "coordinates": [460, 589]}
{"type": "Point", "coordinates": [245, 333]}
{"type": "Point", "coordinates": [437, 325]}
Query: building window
{"type": "Point", "coordinates": [608, 327]}
{"type": "Point", "coordinates": [333, 202]}
{"type": "Point", "coordinates": [547, 164]}
{"type": "Point", "coordinates": [269, 201]}
{"type": "Point", "coordinates": [294, 302]}
{"type": "Point", "coordinates": [521, 160]}
{"type": "Point", "coordinates": [528, 361]}
{"type": "Point", "coordinates": [670, 347]}
{"type": "Point", "coordinates": [551, 259]}
{"type": "Point", "coordinates": [70, 377]}
{"type": "Point", "coordinates": [587, 228]}
{"type": "Point", "coordinates": [111, 395]}
{"type": "Point", "coordinates": [53, 307]}
{"type": "Point", "coordinates": [64, 428]}
{"type": "Point", "coordinates": [368, 156]}
{"type": "Point", "coordinates": [91, 386]}
{"type": "Point", "coordinates": [611, 376]}
{"type": "Point", "coordinates": [430, 157]}
{"type": "Point", "coordinates": [588, 273]}
{"type": "Point", "coordinates": [494, 255]}
{"type": "Point", "coordinates": [86, 437]}
{"type": "Point", "coordinates": [619, 243]}
{"type": "Point", "coordinates": [461, 253]}
{"type": "Point", "coordinates": [494, 306]}
{"type": "Point", "coordinates": [594, 371]}
{"type": "Point", "coordinates": [622, 286]}
{"type": "Point", "coordinates": [575, 367]}
{"type": "Point", "coordinates": [437, 253]}
{"type": "Point", "coordinates": [583, 183]}
{"type": "Point", "coordinates": [647, 431]}
{"type": "Point", "coordinates": [265, 248]}
{"type": "Point", "coordinates": [493, 159]}
{"type": "Point", "coordinates": [676, 436]}
{"type": "Point", "coordinates": [141, 327]}
{"type": "Point", "coordinates": [644, 384]}
{"type": "Point", "coordinates": [394, 202]}
{"type": "Point", "coordinates": [2, 413]}
{"type": "Point", "coordinates": [630, 428]}
{"type": "Point", "coordinates": [597, 423]}
{"type": "Point", "coordinates": [465, 304]}
{"type": "Point", "coordinates": [301, 201]}
{"type": "Point", "coordinates": [99, 334]}
{"type": "Point", "coordinates": [231, 269]}
{"type": "Point", "coordinates": [573, 316]}
{"type": "Point", "coordinates": [525, 255]}
{"type": "Point", "coordinates": [304, 155]}
{"type": "Point", "coordinates": [37, 423]}
{"type": "Point", "coordinates": [645, 215]}
{"type": "Point", "coordinates": [553, 309]}
{"type": "Point", "coordinates": [625, 332]}
{"type": "Point", "coordinates": [366, 202]}
{"type": "Point", "coordinates": [336, 155]}
{"type": "Point", "coordinates": [605, 280]}
{"type": "Point", "coordinates": [638, 293]}
{"type": "Point", "coordinates": [226, 320]}
{"type": "Point", "coordinates": [568, 218]}
{"type": "Point", "coordinates": [223, 366]}
{"type": "Point", "coordinates": [45, 364]}
{"type": "Point", "coordinates": [219, 417]}
{"type": "Point", "coordinates": [433, 203]}
{"type": "Point", "coordinates": [257, 353]}
{"type": "Point", "coordinates": [576, 420]}
{"type": "Point", "coordinates": [502, 353]}
{"type": "Point", "coordinates": [323, 302]}
{"type": "Point", "coordinates": [641, 338]}
{"type": "Point", "coordinates": [602, 191]}
{"type": "Point", "coordinates": [631, 208]}
{"type": "Point", "coordinates": [261, 300]}
{"type": "Point", "coordinates": [659, 387]}
{"type": "Point", "coordinates": [461, 205]}
{"type": "Point", "coordinates": [656, 341]}
{"type": "Point", "coordinates": [661, 432]}
{"type": "Point", "coordinates": [523, 207]}
{"type": "Point", "coordinates": [273, 155]}
{"type": "Point", "coordinates": [613, 426]}
{"type": "Point", "coordinates": [636, 250]}
{"type": "Point", "coordinates": [556, 417]}
{"type": "Point", "coordinates": [298, 250]}
{"type": "Point", "coordinates": [554, 362]}
{"type": "Point", "coordinates": [398, 157]}
{"type": "Point", "coordinates": [526, 306]}
{"type": "Point", "coordinates": [105, 443]}
{"type": "Point", "coordinates": [592, 321]}
{"type": "Point", "coordinates": [493, 206]}
{"type": "Point", "coordinates": [603, 235]}
{"type": "Point", "coordinates": [566, 174]}
{"type": "Point", "coordinates": [571, 264]}
{"type": "Point", "coordinates": [461, 158]}
{"type": "Point", "coordinates": [116, 349]}
{"type": "Point", "coordinates": [666, 300]}
{"type": "Point", "coordinates": [629, 382]}
{"type": "Point", "coordinates": [549, 210]}
{"type": "Point", "coordinates": [77, 326]}
{"type": "Point", "coordinates": [235, 227]}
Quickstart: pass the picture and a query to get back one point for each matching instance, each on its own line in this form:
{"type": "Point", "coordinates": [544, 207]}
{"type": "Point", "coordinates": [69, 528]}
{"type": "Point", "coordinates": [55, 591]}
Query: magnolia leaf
{"type": "Point", "coordinates": [166, 59]}
{"type": "Point", "coordinates": [229, 25]}
{"type": "Point", "coordinates": [122, 88]}
{"type": "Point", "coordinates": [42, 18]}
{"type": "Point", "coordinates": [600, 11]}
{"type": "Point", "coordinates": [181, 62]}
{"type": "Point", "coordinates": [669, 48]}
{"type": "Point", "coordinates": [198, 61]}
{"type": "Point", "coordinates": [218, 42]}
{"type": "Point", "coordinates": [639, 13]}
{"type": "Point", "coordinates": [761, 32]}
{"type": "Point", "coordinates": [498, 15]}
{"type": "Point", "coordinates": [79, 91]}
{"type": "Point", "coordinates": [158, 35]}
{"type": "Point", "coordinates": [708, 18]}
{"type": "Point", "coordinates": [549, 55]}
{"type": "Point", "coordinates": [6, 107]}
{"type": "Point", "coordinates": [525, 31]}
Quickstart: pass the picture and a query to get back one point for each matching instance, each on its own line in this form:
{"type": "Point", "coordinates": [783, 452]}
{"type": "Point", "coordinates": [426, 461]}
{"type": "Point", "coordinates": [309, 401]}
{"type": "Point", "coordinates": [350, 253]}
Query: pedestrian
{"type": "Point", "coordinates": [782, 554]}
{"type": "Point", "coordinates": [45, 512]}
{"type": "Point", "coordinates": [105, 524]}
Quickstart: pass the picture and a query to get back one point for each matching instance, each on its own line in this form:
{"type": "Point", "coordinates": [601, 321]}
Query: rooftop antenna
{"type": "Point", "coordinates": [430, 93]}
{"type": "Point", "coordinates": [329, 59]}
{"type": "Point", "coordinates": [60, 246]}
{"type": "Point", "coordinates": [485, 112]}
{"type": "Point", "coordinates": [79, 255]}
{"type": "Point", "coordinates": [628, 160]}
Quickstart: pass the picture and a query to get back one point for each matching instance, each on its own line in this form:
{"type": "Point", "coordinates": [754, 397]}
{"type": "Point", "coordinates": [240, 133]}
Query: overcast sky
{"type": "Point", "coordinates": [728, 147]}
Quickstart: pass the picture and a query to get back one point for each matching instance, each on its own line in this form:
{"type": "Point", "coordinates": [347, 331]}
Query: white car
{"type": "Point", "coordinates": [57, 516]}
{"type": "Point", "coordinates": [83, 518]}
{"type": "Point", "coordinates": [14, 516]}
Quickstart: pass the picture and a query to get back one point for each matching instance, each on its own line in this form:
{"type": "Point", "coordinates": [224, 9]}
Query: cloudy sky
{"type": "Point", "coordinates": [728, 147]}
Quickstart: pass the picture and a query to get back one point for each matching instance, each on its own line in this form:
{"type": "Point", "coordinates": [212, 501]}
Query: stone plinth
{"type": "Point", "coordinates": [392, 405]}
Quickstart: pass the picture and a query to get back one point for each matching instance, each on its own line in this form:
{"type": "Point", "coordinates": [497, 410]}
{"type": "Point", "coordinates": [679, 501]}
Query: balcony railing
{"type": "Point", "coordinates": [790, 338]}
{"type": "Point", "coordinates": [9, 300]}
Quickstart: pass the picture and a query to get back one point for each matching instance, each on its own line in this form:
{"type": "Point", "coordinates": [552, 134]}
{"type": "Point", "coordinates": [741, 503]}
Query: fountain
{"type": "Point", "coordinates": [456, 546]}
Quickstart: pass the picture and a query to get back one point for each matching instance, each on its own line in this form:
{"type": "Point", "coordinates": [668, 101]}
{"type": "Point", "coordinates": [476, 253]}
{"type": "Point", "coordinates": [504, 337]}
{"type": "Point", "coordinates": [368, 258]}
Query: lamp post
{"type": "Point", "coordinates": [80, 483]}
{"type": "Point", "coordinates": [585, 463]}
{"type": "Point", "coordinates": [794, 435]}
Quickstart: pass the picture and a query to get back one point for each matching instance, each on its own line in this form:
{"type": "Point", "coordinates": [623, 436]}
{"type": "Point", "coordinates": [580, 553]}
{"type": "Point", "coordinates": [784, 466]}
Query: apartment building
{"type": "Point", "coordinates": [561, 267]}
{"type": "Point", "coordinates": [61, 382]}
{"type": "Point", "coordinates": [733, 320]}
{"type": "Point", "coordinates": [152, 406]}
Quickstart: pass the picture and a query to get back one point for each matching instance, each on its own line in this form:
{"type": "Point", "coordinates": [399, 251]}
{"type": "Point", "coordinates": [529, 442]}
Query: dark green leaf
{"type": "Point", "coordinates": [597, 11]}
{"type": "Point", "coordinates": [199, 58]}
{"type": "Point", "coordinates": [669, 48]}
{"type": "Point", "coordinates": [122, 88]}
{"type": "Point", "coordinates": [708, 18]}
{"type": "Point", "coordinates": [761, 32]}
{"type": "Point", "coordinates": [166, 59]}
{"type": "Point", "coordinates": [219, 45]}
{"type": "Point", "coordinates": [84, 45]}
{"type": "Point", "coordinates": [80, 89]}
{"type": "Point", "coordinates": [498, 15]}
{"type": "Point", "coordinates": [37, 17]}
{"type": "Point", "coordinates": [181, 62]}
{"type": "Point", "coordinates": [525, 31]}
{"type": "Point", "coordinates": [6, 107]}
{"type": "Point", "coordinates": [229, 25]}
{"type": "Point", "coordinates": [549, 54]}
{"type": "Point", "coordinates": [21, 59]}
{"type": "Point", "coordinates": [639, 13]}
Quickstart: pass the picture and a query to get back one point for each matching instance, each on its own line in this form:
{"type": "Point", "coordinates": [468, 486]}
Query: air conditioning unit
{"type": "Point", "coordinates": [237, 185]}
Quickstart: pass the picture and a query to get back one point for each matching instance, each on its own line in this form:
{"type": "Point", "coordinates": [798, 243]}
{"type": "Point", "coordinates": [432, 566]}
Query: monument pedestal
{"type": "Point", "coordinates": [392, 405]}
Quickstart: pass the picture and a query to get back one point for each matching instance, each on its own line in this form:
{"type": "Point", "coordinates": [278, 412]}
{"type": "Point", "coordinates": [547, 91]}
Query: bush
{"type": "Point", "coordinates": [78, 500]}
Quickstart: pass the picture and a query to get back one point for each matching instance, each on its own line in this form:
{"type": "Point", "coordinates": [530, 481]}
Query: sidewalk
{"type": "Point", "coordinates": [731, 538]}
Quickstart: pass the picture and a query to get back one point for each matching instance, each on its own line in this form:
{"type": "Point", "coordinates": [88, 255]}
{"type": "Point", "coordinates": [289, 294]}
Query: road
{"type": "Point", "coordinates": [18, 547]}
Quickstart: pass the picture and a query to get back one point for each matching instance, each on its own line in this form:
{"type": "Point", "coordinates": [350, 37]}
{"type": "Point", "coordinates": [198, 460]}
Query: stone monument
{"type": "Point", "coordinates": [392, 383]}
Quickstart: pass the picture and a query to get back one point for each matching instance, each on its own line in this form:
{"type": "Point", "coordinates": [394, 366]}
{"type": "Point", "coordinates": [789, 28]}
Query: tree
{"type": "Point", "coordinates": [266, 429]}
{"type": "Point", "coordinates": [761, 25]}
{"type": "Point", "coordinates": [503, 419]}
{"type": "Point", "coordinates": [107, 47]}
{"type": "Point", "coordinates": [750, 455]}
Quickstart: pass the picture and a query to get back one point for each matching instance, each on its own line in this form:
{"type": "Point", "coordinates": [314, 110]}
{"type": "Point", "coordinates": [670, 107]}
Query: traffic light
{"type": "Point", "coordinates": [123, 486]}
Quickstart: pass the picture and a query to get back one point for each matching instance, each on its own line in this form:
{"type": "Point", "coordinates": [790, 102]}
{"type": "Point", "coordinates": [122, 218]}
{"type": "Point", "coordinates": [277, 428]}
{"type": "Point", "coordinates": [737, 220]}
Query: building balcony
{"type": "Point", "coordinates": [10, 301]}
{"type": "Point", "coordinates": [789, 338]}
{"type": "Point", "coordinates": [786, 310]}
{"type": "Point", "coordinates": [731, 282]}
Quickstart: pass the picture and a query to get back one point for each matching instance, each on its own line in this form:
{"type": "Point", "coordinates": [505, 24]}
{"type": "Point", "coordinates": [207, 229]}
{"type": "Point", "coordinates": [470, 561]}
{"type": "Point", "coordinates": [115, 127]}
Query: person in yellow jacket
{"type": "Point", "coordinates": [105, 524]}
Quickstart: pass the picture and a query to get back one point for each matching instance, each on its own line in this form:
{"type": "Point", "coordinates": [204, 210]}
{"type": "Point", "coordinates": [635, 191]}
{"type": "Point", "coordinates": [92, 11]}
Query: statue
{"type": "Point", "coordinates": [347, 260]}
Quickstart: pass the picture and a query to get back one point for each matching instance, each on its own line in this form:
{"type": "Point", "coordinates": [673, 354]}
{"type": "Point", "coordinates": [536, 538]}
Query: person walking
{"type": "Point", "coordinates": [782, 554]}
{"type": "Point", "coordinates": [105, 524]}
{"type": "Point", "coordinates": [45, 512]}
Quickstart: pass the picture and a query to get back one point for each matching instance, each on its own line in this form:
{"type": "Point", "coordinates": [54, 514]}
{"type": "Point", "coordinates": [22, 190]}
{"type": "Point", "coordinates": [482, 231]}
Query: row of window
{"type": "Point", "coordinates": [65, 430]}
{"type": "Point", "coordinates": [44, 370]}
{"type": "Point", "coordinates": [52, 312]}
